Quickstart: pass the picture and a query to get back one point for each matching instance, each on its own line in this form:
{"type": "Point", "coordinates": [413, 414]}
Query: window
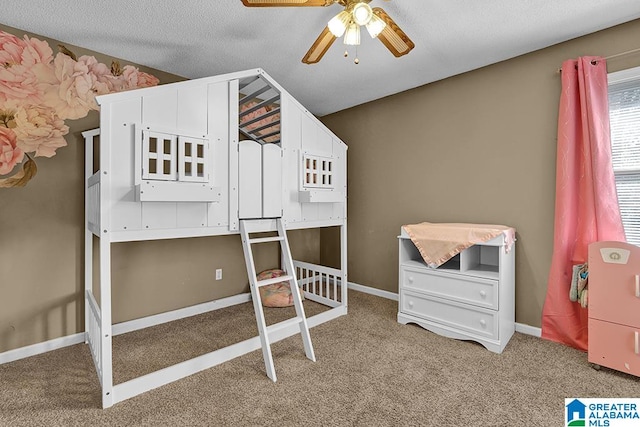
{"type": "Point", "coordinates": [624, 113]}
{"type": "Point", "coordinates": [317, 171]}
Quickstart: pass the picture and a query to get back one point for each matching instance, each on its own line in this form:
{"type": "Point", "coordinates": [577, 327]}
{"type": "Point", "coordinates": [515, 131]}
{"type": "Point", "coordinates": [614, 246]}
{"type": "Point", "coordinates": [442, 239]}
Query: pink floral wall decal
{"type": "Point", "coordinates": [39, 91]}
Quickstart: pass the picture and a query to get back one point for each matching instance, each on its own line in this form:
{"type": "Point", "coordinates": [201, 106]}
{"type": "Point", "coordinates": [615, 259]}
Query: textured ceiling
{"type": "Point", "coordinates": [200, 38]}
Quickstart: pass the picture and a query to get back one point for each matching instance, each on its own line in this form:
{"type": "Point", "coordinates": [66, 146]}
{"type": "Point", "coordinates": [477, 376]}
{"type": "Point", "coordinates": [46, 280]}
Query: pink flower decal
{"type": "Point", "coordinates": [38, 92]}
{"type": "Point", "coordinates": [10, 154]}
{"type": "Point", "coordinates": [134, 78]}
{"type": "Point", "coordinates": [23, 64]}
{"type": "Point", "coordinates": [39, 130]}
{"type": "Point", "coordinates": [71, 94]}
{"type": "Point", "coordinates": [103, 79]}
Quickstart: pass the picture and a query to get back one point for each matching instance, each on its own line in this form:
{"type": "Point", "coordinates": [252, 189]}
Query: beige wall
{"type": "Point", "coordinates": [42, 251]}
{"type": "Point", "coordinates": [478, 147]}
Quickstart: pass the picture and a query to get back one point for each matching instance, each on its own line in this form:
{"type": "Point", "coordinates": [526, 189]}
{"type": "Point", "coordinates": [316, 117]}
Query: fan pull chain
{"type": "Point", "coordinates": [356, 60]}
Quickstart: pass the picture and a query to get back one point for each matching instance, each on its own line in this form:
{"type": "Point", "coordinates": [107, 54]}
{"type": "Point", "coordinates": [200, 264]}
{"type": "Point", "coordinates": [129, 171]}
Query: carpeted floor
{"type": "Point", "coordinates": [371, 371]}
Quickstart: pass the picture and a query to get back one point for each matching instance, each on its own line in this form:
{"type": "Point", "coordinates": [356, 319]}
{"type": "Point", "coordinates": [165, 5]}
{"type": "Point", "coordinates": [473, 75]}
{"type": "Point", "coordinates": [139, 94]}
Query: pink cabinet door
{"type": "Point", "coordinates": [614, 346]}
{"type": "Point", "coordinates": [614, 283]}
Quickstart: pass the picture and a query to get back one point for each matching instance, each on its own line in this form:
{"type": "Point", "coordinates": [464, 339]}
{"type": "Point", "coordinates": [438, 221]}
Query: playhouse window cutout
{"type": "Point", "coordinates": [168, 157]}
{"type": "Point", "coordinates": [317, 172]}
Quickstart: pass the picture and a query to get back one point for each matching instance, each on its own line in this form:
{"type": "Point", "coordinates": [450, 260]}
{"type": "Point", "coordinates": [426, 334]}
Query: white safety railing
{"type": "Point", "coordinates": [321, 284]}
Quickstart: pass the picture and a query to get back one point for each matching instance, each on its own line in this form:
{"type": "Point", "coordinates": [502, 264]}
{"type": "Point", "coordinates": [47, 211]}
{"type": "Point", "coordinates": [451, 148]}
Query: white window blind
{"type": "Point", "coordinates": [624, 113]}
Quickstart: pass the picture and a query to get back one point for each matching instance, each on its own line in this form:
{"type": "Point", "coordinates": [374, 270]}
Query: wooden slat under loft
{"type": "Point", "coordinates": [265, 103]}
{"type": "Point", "coordinates": [258, 116]}
{"type": "Point", "coordinates": [250, 97]}
{"type": "Point", "coordinates": [275, 122]}
{"type": "Point", "coordinates": [269, 135]}
{"type": "Point", "coordinates": [254, 133]}
{"type": "Point", "coordinates": [264, 116]}
{"type": "Point", "coordinates": [275, 138]}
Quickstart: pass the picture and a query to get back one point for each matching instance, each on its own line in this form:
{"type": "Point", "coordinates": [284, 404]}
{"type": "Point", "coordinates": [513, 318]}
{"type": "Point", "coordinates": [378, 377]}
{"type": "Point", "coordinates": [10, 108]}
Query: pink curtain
{"type": "Point", "coordinates": [586, 207]}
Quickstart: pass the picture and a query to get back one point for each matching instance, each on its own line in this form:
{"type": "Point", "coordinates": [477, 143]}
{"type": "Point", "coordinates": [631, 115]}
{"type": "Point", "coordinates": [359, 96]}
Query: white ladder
{"type": "Point", "coordinates": [251, 226]}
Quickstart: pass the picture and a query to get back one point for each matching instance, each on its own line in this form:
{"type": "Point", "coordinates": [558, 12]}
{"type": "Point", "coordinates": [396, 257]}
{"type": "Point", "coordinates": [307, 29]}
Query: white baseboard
{"type": "Point", "coordinates": [43, 347]}
{"type": "Point", "coordinates": [529, 330]}
{"type": "Point", "coordinates": [520, 327]}
{"type": "Point", "coordinates": [373, 291]}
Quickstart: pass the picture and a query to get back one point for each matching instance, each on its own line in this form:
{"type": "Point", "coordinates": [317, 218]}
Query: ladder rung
{"type": "Point", "coordinates": [266, 239]}
{"type": "Point", "coordinates": [273, 280]}
{"type": "Point", "coordinates": [282, 325]}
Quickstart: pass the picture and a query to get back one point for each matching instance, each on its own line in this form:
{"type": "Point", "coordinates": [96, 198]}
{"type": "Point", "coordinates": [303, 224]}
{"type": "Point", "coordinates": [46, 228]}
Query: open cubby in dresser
{"type": "Point", "coordinates": [469, 297]}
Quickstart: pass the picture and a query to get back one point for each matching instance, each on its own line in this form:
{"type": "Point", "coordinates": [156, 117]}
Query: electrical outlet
{"type": "Point", "coordinates": [219, 274]}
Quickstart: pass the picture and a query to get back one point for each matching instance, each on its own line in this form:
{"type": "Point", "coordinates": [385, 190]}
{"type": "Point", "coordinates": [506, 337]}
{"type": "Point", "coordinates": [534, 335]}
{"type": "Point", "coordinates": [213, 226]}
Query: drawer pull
{"type": "Point", "coordinates": [637, 285]}
{"type": "Point", "coordinates": [637, 346]}
{"type": "Point", "coordinates": [410, 279]}
{"type": "Point", "coordinates": [483, 323]}
{"type": "Point", "coordinates": [410, 304]}
{"type": "Point", "coordinates": [483, 294]}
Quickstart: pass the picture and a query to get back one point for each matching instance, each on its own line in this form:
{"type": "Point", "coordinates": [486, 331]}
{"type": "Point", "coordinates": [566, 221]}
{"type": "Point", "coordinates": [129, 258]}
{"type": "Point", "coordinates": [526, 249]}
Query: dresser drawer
{"type": "Point", "coordinates": [469, 290]}
{"type": "Point", "coordinates": [479, 321]}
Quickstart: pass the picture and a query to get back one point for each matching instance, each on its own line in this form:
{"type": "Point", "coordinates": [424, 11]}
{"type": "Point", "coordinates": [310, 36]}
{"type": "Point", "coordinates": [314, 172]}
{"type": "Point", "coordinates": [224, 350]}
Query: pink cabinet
{"type": "Point", "coordinates": [614, 306]}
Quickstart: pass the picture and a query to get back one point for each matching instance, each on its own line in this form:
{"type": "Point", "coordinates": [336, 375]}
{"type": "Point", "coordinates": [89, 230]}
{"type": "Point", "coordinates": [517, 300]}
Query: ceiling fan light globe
{"type": "Point", "coordinates": [375, 26]}
{"type": "Point", "coordinates": [338, 24]}
{"type": "Point", "coordinates": [362, 13]}
{"type": "Point", "coordinates": [352, 35]}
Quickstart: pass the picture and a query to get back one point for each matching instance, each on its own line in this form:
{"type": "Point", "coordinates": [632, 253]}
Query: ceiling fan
{"type": "Point", "coordinates": [356, 13]}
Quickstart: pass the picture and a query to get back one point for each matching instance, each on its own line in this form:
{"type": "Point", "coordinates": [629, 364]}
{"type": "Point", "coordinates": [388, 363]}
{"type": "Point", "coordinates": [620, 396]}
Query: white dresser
{"type": "Point", "coordinates": [470, 297]}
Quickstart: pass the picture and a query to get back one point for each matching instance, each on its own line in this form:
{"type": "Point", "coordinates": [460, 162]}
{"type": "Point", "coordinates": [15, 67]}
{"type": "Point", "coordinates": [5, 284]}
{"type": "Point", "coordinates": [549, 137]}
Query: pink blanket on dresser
{"type": "Point", "coordinates": [439, 242]}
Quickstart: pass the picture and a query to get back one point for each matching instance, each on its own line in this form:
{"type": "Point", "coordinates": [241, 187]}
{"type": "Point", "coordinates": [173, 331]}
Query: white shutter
{"type": "Point", "coordinates": [624, 113]}
{"type": "Point", "coordinates": [159, 156]}
{"type": "Point", "coordinates": [193, 159]}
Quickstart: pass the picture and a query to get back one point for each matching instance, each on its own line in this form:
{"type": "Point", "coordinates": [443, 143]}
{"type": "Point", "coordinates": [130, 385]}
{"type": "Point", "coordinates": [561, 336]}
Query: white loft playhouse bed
{"type": "Point", "coordinates": [196, 158]}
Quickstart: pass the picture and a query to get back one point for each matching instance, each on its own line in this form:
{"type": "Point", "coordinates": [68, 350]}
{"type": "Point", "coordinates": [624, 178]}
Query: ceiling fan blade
{"type": "Point", "coordinates": [319, 47]}
{"type": "Point", "coordinates": [285, 3]}
{"type": "Point", "coordinates": [392, 36]}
